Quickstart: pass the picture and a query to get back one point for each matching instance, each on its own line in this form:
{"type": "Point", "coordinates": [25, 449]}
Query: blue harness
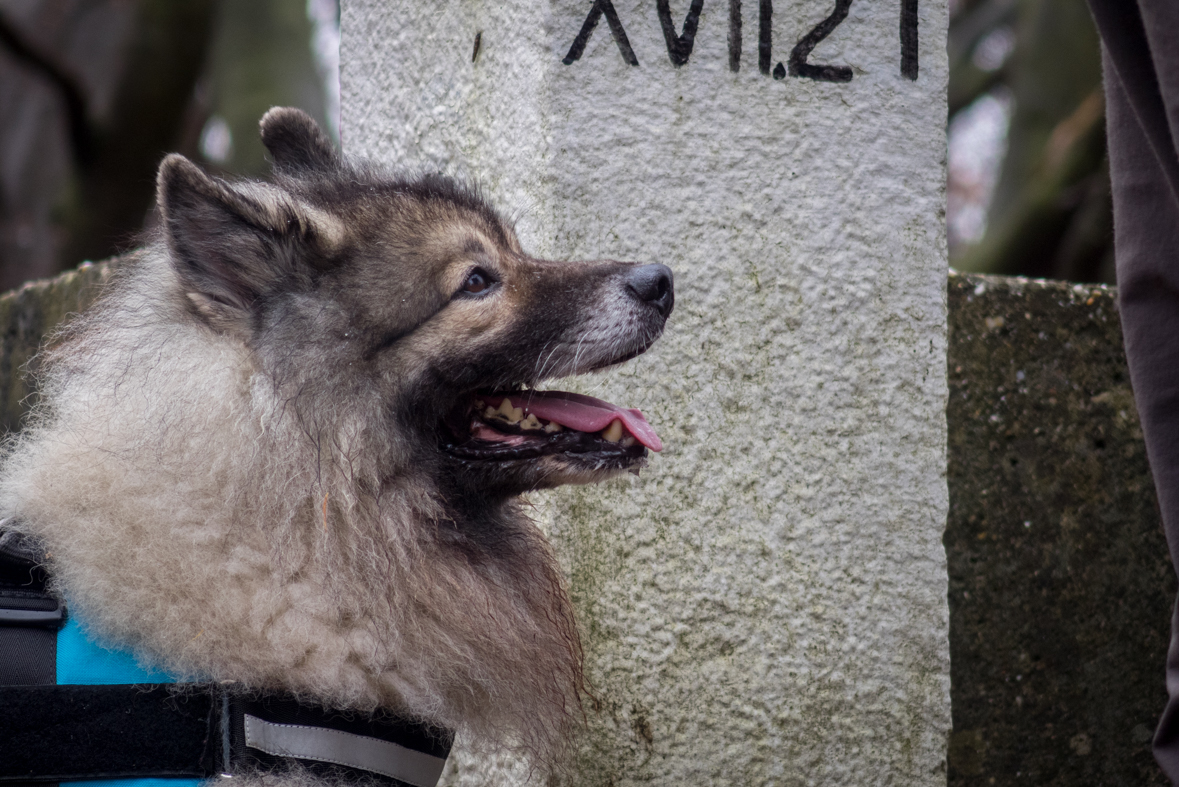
{"type": "Point", "coordinates": [81, 661]}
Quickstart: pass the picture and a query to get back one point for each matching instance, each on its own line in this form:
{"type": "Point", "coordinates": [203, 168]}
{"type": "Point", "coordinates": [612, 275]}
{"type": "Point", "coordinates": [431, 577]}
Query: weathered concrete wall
{"type": "Point", "coordinates": [767, 604]}
{"type": "Point", "coordinates": [1060, 584]}
{"type": "Point", "coordinates": [26, 316]}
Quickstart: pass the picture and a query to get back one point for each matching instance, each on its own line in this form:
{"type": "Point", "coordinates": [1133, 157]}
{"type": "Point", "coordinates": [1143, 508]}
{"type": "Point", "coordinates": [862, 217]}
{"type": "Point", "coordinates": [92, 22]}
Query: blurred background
{"type": "Point", "coordinates": [94, 92]}
{"type": "Point", "coordinates": [1028, 183]}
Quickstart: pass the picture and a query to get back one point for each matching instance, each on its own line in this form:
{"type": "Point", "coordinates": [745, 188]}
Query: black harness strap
{"type": "Point", "coordinates": [29, 617]}
{"type": "Point", "coordinates": [70, 733]}
{"type": "Point", "coordinates": [76, 733]}
{"type": "Point", "coordinates": [267, 732]}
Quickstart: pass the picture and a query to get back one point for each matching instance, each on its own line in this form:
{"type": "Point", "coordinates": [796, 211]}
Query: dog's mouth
{"type": "Point", "coordinates": [505, 426]}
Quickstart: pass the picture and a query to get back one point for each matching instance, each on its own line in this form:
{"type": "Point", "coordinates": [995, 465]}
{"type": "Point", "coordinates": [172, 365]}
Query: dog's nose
{"type": "Point", "coordinates": [653, 284]}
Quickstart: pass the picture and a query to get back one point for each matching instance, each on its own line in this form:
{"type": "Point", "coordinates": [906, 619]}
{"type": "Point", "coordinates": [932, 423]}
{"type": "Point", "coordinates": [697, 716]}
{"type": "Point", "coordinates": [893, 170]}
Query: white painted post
{"type": "Point", "coordinates": [767, 605]}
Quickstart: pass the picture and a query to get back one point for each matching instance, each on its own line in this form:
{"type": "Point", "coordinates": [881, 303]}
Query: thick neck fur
{"type": "Point", "coordinates": [204, 514]}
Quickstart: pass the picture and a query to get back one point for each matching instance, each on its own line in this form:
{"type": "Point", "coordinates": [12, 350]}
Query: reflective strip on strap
{"type": "Point", "coordinates": [344, 748]}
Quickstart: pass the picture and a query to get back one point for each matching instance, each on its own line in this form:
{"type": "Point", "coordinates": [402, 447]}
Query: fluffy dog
{"type": "Point", "coordinates": [285, 448]}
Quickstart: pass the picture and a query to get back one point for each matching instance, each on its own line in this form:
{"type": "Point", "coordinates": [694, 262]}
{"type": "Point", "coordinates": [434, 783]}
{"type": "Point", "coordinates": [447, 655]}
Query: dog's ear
{"type": "Point", "coordinates": [229, 246]}
{"type": "Point", "coordinates": [296, 142]}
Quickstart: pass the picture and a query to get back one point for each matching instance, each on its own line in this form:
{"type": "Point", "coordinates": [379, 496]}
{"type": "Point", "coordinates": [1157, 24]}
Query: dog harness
{"type": "Point", "coordinates": [76, 712]}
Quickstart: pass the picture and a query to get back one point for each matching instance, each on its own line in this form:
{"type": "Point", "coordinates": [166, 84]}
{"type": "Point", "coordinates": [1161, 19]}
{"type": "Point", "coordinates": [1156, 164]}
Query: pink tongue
{"type": "Point", "coordinates": [583, 413]}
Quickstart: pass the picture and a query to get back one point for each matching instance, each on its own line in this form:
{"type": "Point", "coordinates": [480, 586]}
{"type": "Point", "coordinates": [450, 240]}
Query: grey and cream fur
{"type": "Point", "coordinates": [244, 464]}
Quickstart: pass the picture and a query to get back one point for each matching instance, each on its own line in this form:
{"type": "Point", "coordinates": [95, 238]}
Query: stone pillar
{"type": "Point", "coordinates": [767, 604]}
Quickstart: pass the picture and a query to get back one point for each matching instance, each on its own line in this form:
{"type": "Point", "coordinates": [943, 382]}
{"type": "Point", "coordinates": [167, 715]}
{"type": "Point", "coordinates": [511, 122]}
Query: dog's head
{"type": "Point", "coordinates": [412, 304]}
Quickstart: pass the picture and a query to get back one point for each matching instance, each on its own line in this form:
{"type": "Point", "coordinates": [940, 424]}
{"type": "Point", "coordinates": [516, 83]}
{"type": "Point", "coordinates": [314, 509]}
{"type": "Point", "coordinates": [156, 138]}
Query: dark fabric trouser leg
{"type": "Point", "coordinates": [1166, 734]}
{"type": "Point", "coordinates": [1142, 99]}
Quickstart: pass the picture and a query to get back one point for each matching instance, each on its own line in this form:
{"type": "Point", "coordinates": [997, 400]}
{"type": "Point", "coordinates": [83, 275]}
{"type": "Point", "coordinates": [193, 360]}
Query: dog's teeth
{"type": "Point", "coordinates": [627, 441]}
{"type": "Point", "coordinates": [490, 412]}
{"type": "Point", "coordinates": [613, 432]}
{"type": "Point", "coordinates": [512, 415]}
{"type": "Point", "coordinates": [552, 427]}
{"type": "Point", "coordinates": [531, 422]}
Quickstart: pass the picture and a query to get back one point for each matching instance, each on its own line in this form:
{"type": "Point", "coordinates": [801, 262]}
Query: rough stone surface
{"type": "Point", "coordinates": [27, 315]}
{"type": "Point", "coordinates": [767, 605]}
{"type": "Point", "coordinates": [1060, 584]}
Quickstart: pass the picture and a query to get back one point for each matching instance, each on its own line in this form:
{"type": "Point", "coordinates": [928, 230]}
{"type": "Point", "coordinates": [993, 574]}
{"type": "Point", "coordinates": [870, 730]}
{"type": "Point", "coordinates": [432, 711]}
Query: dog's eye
{"type": "Point", "coordinates": [478, 281]}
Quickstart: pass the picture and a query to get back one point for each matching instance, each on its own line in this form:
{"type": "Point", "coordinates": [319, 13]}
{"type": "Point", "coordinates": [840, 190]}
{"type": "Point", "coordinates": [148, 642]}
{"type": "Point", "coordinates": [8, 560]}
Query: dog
{"type": "Point", "coordinates": [284, 451]}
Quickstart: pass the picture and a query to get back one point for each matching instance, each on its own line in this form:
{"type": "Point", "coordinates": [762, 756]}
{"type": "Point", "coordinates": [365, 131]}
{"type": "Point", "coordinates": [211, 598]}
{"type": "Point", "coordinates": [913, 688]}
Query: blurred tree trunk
{"type": "Point", "coordinates": [116, 186]}
{"type": "Point", "coordinates": [970, 25]}
{"type": "Point", "coordinates": [1056, 66]}
{"type": "Point", "coordinates": [1050, 215]}
{"type": "Point", "coordinates": [93, 93]}
{"type": "Point", "coordinates": [261, 58]}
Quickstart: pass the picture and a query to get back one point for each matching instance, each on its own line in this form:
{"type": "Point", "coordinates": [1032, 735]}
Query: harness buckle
{"type": "Point", "coordinates": [24, 603]}
{"type": "Point", "coordinates": [31, 610]}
